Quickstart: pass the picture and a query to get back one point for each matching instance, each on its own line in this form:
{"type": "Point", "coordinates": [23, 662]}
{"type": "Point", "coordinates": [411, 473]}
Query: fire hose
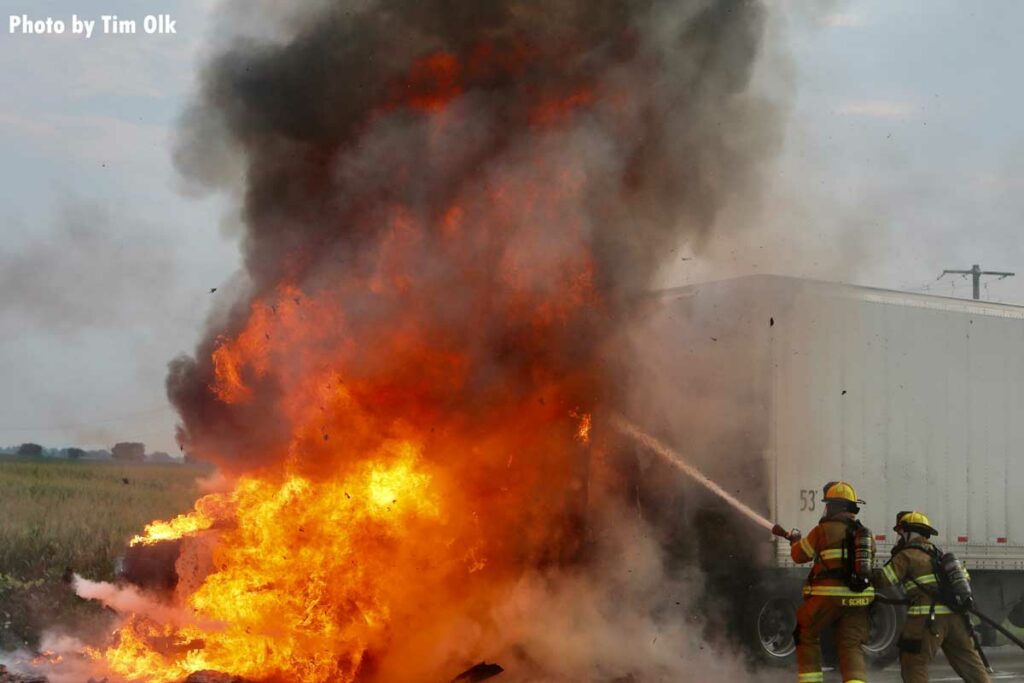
{"type": "Point", "coordinates": [780, 531]}
{"type": "Point", "coordinates": [997, 626]}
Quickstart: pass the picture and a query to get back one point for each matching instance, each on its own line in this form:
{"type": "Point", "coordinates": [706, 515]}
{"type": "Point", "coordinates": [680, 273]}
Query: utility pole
{"type": "Point", "coordinates": [976, 272]}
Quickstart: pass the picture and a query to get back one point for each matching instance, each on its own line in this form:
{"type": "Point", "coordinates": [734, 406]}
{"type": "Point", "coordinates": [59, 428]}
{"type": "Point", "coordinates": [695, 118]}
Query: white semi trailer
{"type": "Point", "coordinates": [776, 385]}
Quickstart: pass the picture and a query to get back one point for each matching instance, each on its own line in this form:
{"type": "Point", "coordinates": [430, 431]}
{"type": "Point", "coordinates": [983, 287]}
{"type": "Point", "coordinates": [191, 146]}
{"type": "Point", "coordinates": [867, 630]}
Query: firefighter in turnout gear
{"type": "Point", "coordinates": [922, 571]}
{"type": "Point", "coordinates": [838, 591]}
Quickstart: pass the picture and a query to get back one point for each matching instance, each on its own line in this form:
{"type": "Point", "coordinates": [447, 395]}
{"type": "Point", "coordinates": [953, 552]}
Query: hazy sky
{"type": "Point", "coordinates": [903, 155]}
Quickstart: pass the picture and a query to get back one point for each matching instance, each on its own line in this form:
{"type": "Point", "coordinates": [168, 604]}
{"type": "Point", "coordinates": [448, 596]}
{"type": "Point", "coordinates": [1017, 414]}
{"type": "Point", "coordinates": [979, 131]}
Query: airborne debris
{"type": "Point", "coordinates": [480, 672]}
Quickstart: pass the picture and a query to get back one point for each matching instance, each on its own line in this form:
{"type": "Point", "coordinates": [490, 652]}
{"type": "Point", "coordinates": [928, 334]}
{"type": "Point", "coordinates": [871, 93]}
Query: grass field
{"type": "Point", "coordinates": [59, 514]}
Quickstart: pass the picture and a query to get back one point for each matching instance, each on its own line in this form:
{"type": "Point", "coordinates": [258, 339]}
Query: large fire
{"type": "Point", "coordinates": [398, 504]}
{"type": "Point", "coordinates": [313, 564]}
{"type": "Point", "coordinates": [446, 206]}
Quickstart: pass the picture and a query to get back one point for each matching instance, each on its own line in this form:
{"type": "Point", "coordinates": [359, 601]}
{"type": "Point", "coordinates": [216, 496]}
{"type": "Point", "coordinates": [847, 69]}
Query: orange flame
{"type": "Point", "coordinates": [583, 431]}
{"type": "Point", "coordinates": [208, 510]}
{"type": "Point", "coordinates": [173, 529]}
{"type": "Point", "coordinates": [402, 496]}
{"type": "Point", "coordinates": [304, 576]}
{"type": "Point", "coordinates": [47, 658]}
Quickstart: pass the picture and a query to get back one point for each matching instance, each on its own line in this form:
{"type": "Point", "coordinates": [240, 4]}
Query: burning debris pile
{"type": "Point", "coordinates": [7, 677]}
{"type": "Point", "coordinates": [447, 206]}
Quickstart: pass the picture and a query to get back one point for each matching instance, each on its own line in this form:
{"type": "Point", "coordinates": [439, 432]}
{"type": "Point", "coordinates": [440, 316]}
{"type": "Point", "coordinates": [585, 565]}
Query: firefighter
{"type": "Point", "coordinates": [930, 624]}
{"type": "Point", "coordinates": [829, 599]}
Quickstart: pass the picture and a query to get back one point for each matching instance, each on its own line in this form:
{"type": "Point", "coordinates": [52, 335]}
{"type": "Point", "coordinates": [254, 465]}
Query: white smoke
{"type": "Point", "coordinates": [129, 600]}
{"type": "Point", "coordinates": [633, 620]}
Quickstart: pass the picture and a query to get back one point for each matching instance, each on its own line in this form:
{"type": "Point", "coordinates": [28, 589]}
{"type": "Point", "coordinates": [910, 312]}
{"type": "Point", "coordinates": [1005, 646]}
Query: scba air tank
{"type": "Point", "coordinates": [957, 583]}
{"type": "Point", "coordinates": [862, 558]}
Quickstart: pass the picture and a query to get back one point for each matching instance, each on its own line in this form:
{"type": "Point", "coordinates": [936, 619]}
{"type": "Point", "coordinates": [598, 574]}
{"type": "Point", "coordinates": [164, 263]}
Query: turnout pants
{"type": "Point", "coordinates": [918, 646]}
{"type": "Point", "coordinates": [851, 630]}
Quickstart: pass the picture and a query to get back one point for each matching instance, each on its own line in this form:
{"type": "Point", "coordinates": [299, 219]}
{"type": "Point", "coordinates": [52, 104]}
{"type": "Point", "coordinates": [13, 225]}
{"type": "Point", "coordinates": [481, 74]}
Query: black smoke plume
{"type": "Point", "coordinates": [641, 107]}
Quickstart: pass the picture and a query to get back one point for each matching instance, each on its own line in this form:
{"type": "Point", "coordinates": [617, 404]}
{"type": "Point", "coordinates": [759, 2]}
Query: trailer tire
{"type": "Point", "coordinates": [882, 647]}
{"type": "Point", "coordinates": [772, 620]}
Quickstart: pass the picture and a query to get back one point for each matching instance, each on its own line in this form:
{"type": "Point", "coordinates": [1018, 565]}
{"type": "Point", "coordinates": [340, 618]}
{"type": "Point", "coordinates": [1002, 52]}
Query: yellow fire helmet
{"type": "Point", "coordinates": [840, 491]}
{"type": "Point", "coordinates": [915, 521]}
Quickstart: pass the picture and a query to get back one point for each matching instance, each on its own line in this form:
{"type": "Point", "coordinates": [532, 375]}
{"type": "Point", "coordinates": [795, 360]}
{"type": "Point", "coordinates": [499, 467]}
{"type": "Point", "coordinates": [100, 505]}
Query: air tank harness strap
{"type": "Point", "coordinates": [926, 579]}
{"type": "Point", "coordinates": [831, 554]}
{"type": "Point", "coordinates": [931, 594]}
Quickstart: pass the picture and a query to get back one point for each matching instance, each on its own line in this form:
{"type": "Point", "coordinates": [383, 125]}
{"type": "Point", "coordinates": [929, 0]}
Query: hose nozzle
{"type": "Point", "coordinates": [779, 531]}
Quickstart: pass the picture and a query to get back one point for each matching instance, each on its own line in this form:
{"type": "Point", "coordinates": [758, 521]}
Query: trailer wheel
{"type": "Point", "coordinates": [773, 621]}
{"type": "Point", "coordinates": [882, 648]}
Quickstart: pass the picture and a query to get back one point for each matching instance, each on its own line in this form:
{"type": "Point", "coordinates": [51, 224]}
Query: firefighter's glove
{"type": "Point", "coordinates": [795, 536]}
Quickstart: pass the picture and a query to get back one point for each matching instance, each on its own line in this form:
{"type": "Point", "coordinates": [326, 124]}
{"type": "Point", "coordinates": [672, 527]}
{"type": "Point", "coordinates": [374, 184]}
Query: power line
{"type": "Point", "coordinates": [976, 272]}
{"type": "Point", "coordinates": [926, 287]}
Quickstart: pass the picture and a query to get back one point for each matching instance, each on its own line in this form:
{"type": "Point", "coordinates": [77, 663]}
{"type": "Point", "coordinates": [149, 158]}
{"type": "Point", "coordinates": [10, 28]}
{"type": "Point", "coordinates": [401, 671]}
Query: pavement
{"type": "Point", "coordinates": [1008, 662]}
